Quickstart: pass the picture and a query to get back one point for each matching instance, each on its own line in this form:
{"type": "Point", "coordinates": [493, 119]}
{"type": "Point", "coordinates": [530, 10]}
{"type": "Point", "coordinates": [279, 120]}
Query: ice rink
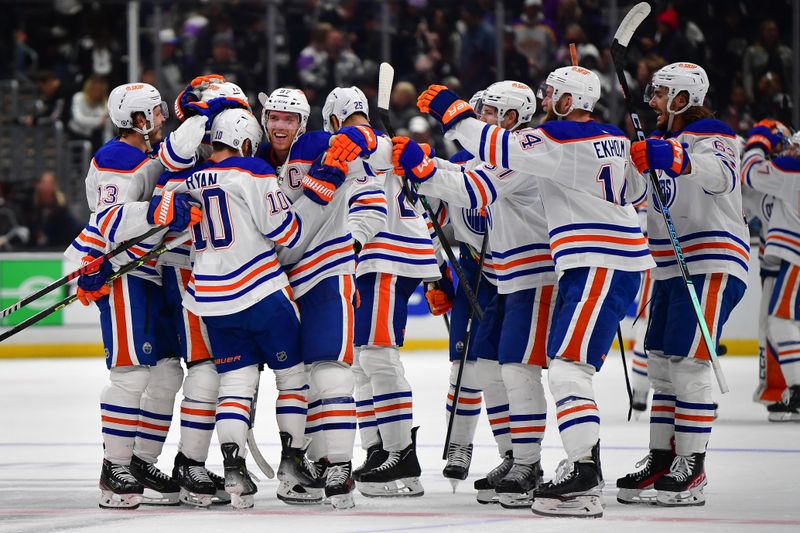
{"type": "Point", "coordinates": [50, 456]}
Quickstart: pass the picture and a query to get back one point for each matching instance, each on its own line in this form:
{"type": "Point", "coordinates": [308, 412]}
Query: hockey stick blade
{"type": "Point", "coordinates": [632, 20]}
{"type": "Point", "coordinates": [258, 457]}
{"type": "Point", "coordinates": [385, 81]}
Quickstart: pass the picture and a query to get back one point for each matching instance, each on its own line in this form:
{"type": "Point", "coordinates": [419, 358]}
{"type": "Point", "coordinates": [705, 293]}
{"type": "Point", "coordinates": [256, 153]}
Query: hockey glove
{"type": "Point", "coordinates": [214, 107]}
{"type": "Point", "coordinates": [658, 154]}
{"type": "Point", "coordinates": [351, 142]}
{"type": "Point", "coordinates": [764, 138]}
{"type": "Point", "coordinates": [444, 105]}
{"type": "Point", "coordinates": [192, 93]}
{"type": "Point", "coordinates": [173, 210]}
{"type": "Point", "coordinates": [440, 294]}
{"type": "Point", "coordinates": [410, 160]}
{"type": "Point", "coordinates": [92, 284]}
{"type": "Point", "coordinates": [321, 182]}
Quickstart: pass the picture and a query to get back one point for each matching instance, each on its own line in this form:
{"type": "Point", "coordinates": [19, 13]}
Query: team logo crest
{"type": "Point", "coordinates": [766, 205]}
{"type": "Point", "coordinates": [670, 189]}
{"type": "Point", "coordinates": [147, 348]}
{"type": "Point", "coordinates": [281, 356]}
{"type": "Point", "coordinates": [475, 221]}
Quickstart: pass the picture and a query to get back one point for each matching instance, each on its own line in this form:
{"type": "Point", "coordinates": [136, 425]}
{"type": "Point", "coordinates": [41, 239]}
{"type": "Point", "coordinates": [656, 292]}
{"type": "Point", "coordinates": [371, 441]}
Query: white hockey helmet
{"type": "Point", "coordinates": [476, 102]}
{"type": "Point", "coordinates": [233, 126]}
{"type": "Point", "coordinates": [507, 95]}
{"type": "Point", "coordinates": [581, 83]}
{"type": "Point", "coordinates": [341, 103]}
{"type": "Point", "coordinates": [286, 100]}
{"type": "Point", "coordinates": [676, 78]}
{"type": "Point", "coordinates": [226, 89]}
{"type": "Point", "coordinates": [130, 98]}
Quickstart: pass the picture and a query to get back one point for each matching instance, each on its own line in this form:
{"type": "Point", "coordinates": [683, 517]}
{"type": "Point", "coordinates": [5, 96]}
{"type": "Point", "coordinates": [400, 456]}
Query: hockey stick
{"type": "Point", "coordinates": [465, 349]}
{"type": "Point", "coordinates": [385, 80]}
{"type": "Point", "coordinates": [88, 267]}
{"type": "Point", "coordinates": [619, 48]}
{"type": "Point", "coordinates": [258, 457]}
{"type": "Point", "coordinates": [152, 254]}
{"type": "Point", "coordinates": [625, 369]}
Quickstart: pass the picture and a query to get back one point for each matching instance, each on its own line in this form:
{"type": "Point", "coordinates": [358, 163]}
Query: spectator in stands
{"type": "Point", "coordinates": [25, 58]}
{"type": "Point", "coordinates": [767, 54]}
{"type": "Point", "coordinates": [477, 61]}
{"type": "Point", "coordinates": [517, 66]}
{"type": "Point", "coordinates": [669, 42]}
{"type": "Point", "coordinates": [88, 113]}
{"type": "Point", "coordinates": [403, 103]}
{"type": "Point", "coordinates": [771, 100]}
{"type": "Point", "coordinates": [342, 67]}
{"type": "Point", "coordinates": [738, 114]}
{"type": "Point", "coordinates": [172, 75]}
{"type": "Point", "coordinates": [50, 222]}
{"type": "Point", "coordinates": [223, 61]}
{"type": "Point", "coordinates": [311, 63]}
{"type": "Point", "coordinates": [50, 105]}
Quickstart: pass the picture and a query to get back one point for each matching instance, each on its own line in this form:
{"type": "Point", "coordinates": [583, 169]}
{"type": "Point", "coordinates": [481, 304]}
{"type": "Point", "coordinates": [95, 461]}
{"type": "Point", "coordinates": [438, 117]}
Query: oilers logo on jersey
{"type": "Point", "coordinates": [767, 203]}
{"type": "Point", "coordinates": [475, 221]}
{"type": "Point", "coordinates": [669, 187]}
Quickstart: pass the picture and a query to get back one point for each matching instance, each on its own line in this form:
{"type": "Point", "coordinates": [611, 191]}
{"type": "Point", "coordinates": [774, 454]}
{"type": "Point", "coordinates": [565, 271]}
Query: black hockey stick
{"type": "Point", "coordinates": [625, 369]}
{"type": "Point", "coordinates": [465, 347]}
{"type": "Point", "coordinates": [385, 79]}
{"type": "Point", "coordinates": [44, 313]}
{"type": "Point", "coordinates": [258, 457]}
{"type": "Point", "coordinates": [619, 49]}
{"type": "Point", "coordinates": [88, 267]}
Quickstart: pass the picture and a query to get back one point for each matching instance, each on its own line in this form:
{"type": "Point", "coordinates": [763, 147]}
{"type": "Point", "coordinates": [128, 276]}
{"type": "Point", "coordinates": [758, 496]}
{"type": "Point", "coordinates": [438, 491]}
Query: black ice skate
{"type": "Point", "coordinates": [299, 483]}
{"type": "Point", "coordinates": [637, 486]}
{"type": "Point", "coordinates": [515, 490]}
{"type": "Point", "coordinates": [118, 488]}
{"type": "Point", "coordinates": [684, 483]}
{"type": "Point", "coordinates": [237, 480]}
{"type": "Point", "coordinates": [197, 488]}
{"type": "Point", "coordinates": [376, 455]}
{"type": "Point", "coordinates": [486, 485]}
{"type": "Point", "coordinates": [221, 497]}
{"type": "Point", "coordinates": [159, 488]}
{"type": "Point", "coordinates": [788, 409]}
{"type": "Point", "coordinates": [575, 491]}
{"type": "Point", "coordinates": [339, 485]}
{"type": "Point", "coordinates": [459, 457]}
{"type": "Point", "coordinates": [397, 476]}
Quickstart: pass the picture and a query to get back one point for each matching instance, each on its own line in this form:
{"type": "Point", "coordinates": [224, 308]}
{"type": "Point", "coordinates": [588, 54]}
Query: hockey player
{"type": "Point", "coordinates": [696, 158]}
{"type": "Point", "coordinates": [321, 271]}
{"type": "Point", "coordinates": [140, 346]}
{"type": "Point", "coordinates": [596, 244]}
{"type": "Point", "coordinates": [390, 267]}
{"type": "Point", "coordinates": [519, 316]}
{"type": "Point", "coordinates": [778, 178]}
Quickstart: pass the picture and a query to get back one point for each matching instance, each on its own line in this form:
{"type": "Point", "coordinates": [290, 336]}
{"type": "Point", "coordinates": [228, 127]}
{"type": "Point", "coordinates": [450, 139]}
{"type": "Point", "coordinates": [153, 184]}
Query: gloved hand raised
{"type": "Point", "coordinates": [173, 210]}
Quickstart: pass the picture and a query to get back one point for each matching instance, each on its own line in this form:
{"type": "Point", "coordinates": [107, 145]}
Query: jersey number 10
{"type": "Point", "coordinates": [217, 219]}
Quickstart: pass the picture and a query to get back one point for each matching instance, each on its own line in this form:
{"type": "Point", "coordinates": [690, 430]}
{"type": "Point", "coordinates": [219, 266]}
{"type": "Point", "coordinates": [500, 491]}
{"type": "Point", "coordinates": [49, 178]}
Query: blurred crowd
{"type": "Point", "coordinates": [74, 51]}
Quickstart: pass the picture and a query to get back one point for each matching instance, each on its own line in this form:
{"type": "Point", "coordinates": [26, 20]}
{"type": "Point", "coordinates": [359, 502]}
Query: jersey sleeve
{"type": "Point", "coordinates": [179, 150]}
{"type": "Point", "coordinates": [367, 208]}
{"type": "Point", "coordinates": [476, 188]}
{"type": "Point", "coordinates": [777, 177]}
{"type": "Point", "coordinates": [715, 164]}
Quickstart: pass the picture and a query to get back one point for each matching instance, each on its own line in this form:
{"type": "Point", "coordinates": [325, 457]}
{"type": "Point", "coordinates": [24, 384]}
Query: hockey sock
{"type": "Point", "coordinates": [639, 381]}
{"type": "Point", "coordinates": [576, 411]}
{"type": "Point", "coordinates": [694, 405]}
{"type": "Point", "coordinates": [365, 409]}
{"type": "Point", "coordinates": [527, 408]}
{"type": "Point", "coordinates": [333, 424]}
{"type": "Point", "coordinates": [496, 400]}
{"type": "Point", "coordinates": [315, 450]}
{"type": "Point", "coordinates": [662, 413]}
{"type": "Point", "coordinates": [391, 395]}
{"type": "Point", "coordinates": [158, 402]}
{"type": "Point", "coordinates": [119, 410]}
{"type": "Point", "coordinates": [236, 390]}
{"type": "Point", "coordinates": [291, 407]}
{"type": "Point", "coordinates": [469, 403]}
{"type": "Point", "coordinates": [198, 408]}
{"type": "Point", "coordinates": [785, 337]}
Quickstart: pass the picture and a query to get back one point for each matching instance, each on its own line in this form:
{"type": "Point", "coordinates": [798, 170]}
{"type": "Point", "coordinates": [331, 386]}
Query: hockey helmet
{"type": "Point", "coordinates": [676, 78]}
{"type": "Point", "coordinates": [225, 89]}
{"type": "Point", "coordinates": [130, 98]}
{"type": "Point", "coordinates": [507, 95]}
{"type": "Point", "coordinates": [341, 103]}
{"type": "Point", "coordinates": [286, 100]}
{"type": "Point", "coordinates": [476, 102]}
{"type": "Point", "coordinates": [581, 83]}
{"type": "Point", "coordinates": [233, 126]}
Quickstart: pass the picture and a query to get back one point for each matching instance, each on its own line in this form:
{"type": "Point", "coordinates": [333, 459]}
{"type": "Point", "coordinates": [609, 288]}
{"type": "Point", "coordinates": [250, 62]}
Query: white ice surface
{"type": "Point", "coordinates": [50, 455]}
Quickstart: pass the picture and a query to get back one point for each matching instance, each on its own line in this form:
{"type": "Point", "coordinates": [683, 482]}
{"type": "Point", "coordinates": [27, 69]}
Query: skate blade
{"type": "Point", "coordinates": [194, 499]}
{"type": "Point", "coordinates": [511, 500]}
{"type": "Point", "coordinates": [575, 507]}
{"type": "Point", "coordinates": [242, 501]}
{"type": "Point", "coordinates": [634, 496]}
{"type": "Point", "coordinates": [109, 500]}
{"type": "Point", "coordinates": [409, 487]}
{"type": "Point", "coordinates": [152, 497]}
{"type": "Point", "coordinates": [784, 417]}
{"type": "Point", "coordinates": [343, 501]}
{"type": "Point", "coordinates": [221, 498]}
{"type": "Point", "coordinates": [299, 495]}
{"type": "Point", "coordinates": [487, 497]}
{"type": "Point", "coordinates": [688, 498]}
{"type": "Point", "coordinates": [453, 484]}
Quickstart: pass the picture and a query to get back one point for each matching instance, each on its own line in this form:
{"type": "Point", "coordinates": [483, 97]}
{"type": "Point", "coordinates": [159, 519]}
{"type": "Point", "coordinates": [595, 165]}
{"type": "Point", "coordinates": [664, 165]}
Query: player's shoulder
{"type": "Point", "coordinates": [787, 164]}
{"type": "Point", "coordinates": [117, 156]}
{"type": "Point", "coordinates": [565, 131]}
{"type": "Point", "coordinates": [254, 166]}
{"type": "Point", "coordinates": [461, 157]}
{"type": "Point", "coordinates": [310, 146]}
{"type": "Point", "coordinates": [171, 177]}
{"type": "Point", "coordinates": [708, 127]}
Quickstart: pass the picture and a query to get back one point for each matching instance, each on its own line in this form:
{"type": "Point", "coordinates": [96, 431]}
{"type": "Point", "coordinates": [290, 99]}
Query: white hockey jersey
{"type": "Point", "coordinates": [706, 206]}
{"type": "Point", "coordinates": [581, 169]}
{"type": "Point", "coordinates": [778, 179]}
{"type": "Point", "coordinates": [119, 186]}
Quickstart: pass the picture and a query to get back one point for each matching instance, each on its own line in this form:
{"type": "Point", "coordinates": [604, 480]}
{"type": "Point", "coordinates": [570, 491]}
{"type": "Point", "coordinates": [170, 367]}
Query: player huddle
{"type": "Point", "coordinates": [299, 250]}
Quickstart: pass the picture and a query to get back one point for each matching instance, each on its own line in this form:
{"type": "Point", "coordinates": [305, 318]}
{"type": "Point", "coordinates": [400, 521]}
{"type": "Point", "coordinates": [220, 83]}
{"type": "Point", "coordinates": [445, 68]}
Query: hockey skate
{"type": "Point", "coordinates": [398, 476]}
{"type": "Point", "coordinates": [576, 491]}
{"type": "Point", "coordinates": [637, 487]}
{"type": "Point", "coordinates": [376, 455]}
{"type": "Point", "coordinates": [683, 485]}
{"type": "Point", "coordinates": [299, 484]}
{"type": "Point", "coordinates": [197, 487]}
{"type": "Point", "coordinates": [459, 457]}
{"type": "Point", "coordinates": [159, 488]}
{"type": "Point", "coordinates": [788, 409]}
{"type": "Point", "coordinates": [515, 490]}
{"type": "Point", "coordinates": [237, 479]}
{"type": "Point", "coordinates": [118, 488]}
{"type": "Point", "coordinates": [486, 485]}
{"type": "Point", "coordinates": [339, 485]}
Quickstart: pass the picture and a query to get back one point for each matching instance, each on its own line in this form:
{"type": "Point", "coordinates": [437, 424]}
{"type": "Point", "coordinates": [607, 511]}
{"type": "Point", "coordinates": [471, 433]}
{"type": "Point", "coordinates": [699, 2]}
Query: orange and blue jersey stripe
{"type": "Point", "coordinates": [597, 238]}
{"type": "Point", "coordinates": [206, 288]}
{"type": "Point", "coordinates": [702, 246]}
{"type": "Point", "coordinates": [322, 260]}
